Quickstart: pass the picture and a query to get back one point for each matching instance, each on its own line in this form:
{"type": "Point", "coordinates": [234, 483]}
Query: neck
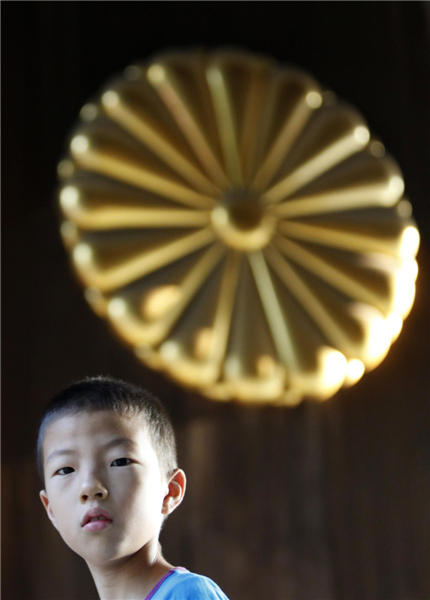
{"type": "Point", "coordinates": [131, 578]}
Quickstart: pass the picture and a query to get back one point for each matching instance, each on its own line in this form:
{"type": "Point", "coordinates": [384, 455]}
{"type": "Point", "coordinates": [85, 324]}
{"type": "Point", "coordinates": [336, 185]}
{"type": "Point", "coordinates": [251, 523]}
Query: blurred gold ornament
{"type": "Point", "coordinates": [238, 226]}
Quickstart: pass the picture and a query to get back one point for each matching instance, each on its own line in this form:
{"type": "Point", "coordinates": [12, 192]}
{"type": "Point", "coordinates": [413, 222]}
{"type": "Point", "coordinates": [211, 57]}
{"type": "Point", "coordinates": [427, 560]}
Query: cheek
{"type": "Point", "coordinates": [63, 508]}
{"type": "Point", "coordinates": [124, 484]}
{"type": "Point", "coordinates": [68, 524]}
{"type": "Point", "coordinates": [138, 499]}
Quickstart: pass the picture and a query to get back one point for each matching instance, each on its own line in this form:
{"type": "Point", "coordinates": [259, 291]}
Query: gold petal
{"type": "Point", "coordinates": [195, 349]}
{"type": "Point", "coordinates": [248, 344]}
{"type": "Point", "coordinates": [110, 152]}
{"type": "Point", "coordinates": [102, 205]}
{"type": "Point", "coordinates": [331, 136]}
{"type": "Point", "coordinates": [135, 108]}
{"type": "Point", "coordinates": [287, 110]}
{"type": "Point", "coordinates": [361, 181]}
{"type": "Point", "coordinates": [109, 266]}
{"type": "Point", "coordinates": [398, 238]}
{"type": "Point", "coordinates": [359, 331]}
{"type": "Point", "coordinates": [145, 313]}
{"type": "Point", "coordinates": [180, 81]}
{"type": "Point", "coordinates": [369, 278]}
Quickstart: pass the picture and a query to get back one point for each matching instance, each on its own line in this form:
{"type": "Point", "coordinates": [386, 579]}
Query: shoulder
{"type": "Point", "coordinates": [183, 585]}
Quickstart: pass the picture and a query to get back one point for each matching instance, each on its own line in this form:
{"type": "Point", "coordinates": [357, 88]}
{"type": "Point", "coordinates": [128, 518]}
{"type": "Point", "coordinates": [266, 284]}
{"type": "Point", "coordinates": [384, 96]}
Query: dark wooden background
{"type": "Point", "coordinates": [324, 502]}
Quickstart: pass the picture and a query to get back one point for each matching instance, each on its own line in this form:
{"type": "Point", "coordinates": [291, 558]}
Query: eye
{"type": "Point", "coordinates": [68, 469]}
{"type": "Point", "coordinates": [123, 462]}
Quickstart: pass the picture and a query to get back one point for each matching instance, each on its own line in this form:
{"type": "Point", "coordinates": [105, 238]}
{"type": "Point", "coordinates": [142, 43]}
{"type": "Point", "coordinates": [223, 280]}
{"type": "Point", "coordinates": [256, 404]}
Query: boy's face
{"type": "Point", "coordinates": [110, 464]}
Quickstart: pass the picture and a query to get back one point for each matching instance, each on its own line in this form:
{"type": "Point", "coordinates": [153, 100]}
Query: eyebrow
{"type": "Point", "coordinates": [122, 441]}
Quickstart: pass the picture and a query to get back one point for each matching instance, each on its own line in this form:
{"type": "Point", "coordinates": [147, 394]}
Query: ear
{"type": "Point", "coordinates": [48, 508]}
{"type": "Point", "coordinates": [175, 493]}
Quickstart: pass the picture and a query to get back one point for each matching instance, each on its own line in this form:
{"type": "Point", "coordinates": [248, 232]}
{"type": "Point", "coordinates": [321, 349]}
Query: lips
{"type": "Point", "coordinates": [97, 525]}
{"type": "Point", "coordinates": [89, 525]}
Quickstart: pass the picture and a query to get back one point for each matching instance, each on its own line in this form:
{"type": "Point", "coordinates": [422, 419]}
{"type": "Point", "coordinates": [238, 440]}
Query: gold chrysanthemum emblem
{"type": "Point", "coordinates": [238, 226]}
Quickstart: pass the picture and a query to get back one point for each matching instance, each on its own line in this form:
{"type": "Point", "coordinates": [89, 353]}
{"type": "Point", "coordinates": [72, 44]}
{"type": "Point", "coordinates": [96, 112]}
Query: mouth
{"type": "Point", "coordinates": [96, 519]}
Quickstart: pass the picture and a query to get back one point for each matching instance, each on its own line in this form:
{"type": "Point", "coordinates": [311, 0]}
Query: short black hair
{"type": "Point", "coordinates": [105, 393]}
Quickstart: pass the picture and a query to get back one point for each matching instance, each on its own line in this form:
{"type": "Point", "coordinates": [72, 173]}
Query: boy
{"type": "Point", "coordinates": [107, 457]}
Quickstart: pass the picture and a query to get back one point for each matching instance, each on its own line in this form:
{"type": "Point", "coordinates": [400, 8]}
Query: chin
{"type": "Point", "coordinates": [96, 551]}
{"type": "Point", "coordinates": [105, 553]}
{"type": "Point", "coordinates": [101, 557]}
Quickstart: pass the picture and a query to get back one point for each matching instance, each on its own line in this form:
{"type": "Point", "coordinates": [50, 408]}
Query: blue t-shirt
{"type": "Point", "coordinates": [180, 584]}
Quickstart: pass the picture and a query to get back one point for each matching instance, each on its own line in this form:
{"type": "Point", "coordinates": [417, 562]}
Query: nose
{"type": "Point", "coordinates": [93, 488]}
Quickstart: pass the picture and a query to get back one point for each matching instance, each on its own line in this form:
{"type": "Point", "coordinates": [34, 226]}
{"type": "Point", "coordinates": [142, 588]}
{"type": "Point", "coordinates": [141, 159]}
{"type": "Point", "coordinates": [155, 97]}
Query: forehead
{"type": "Point", "coordinates": [96, 428]}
